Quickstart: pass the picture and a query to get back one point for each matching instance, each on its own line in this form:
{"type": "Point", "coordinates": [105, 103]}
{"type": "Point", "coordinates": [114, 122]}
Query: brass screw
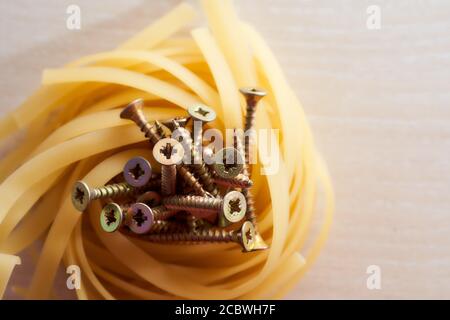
{"type": "Point", "coordinates": [162, 213]}
{"type": "Point", "coordinates": [169, 152]}
{"type": "Point", "coordinates": [137, 172]}
{"type": "Point", "coordinates": [260, 244]}
{"type": "Point", "coordinates": [150, 198]}
{"type": "Point", "coordinates": [252, 96]}
{"type": "Point", "coordinates": [133, 112]}
{"type": "Point", "coordinates": [82, 194]}
{"type": "Point", "coordinates": [179, 121]}
{"type": "Point", "coordinates": [228, 162]}
{"type": "Point", "coordinates": [201, 114]}
{"type": "Point", "coordinates": [240, 181]}
{"type": "Point", "coordinates": [232, 207]}
{"type": "Point", "coordinates": [245, 236]}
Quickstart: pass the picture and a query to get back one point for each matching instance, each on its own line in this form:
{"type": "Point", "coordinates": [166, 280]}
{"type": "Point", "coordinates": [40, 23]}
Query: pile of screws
{"type": "Point", "coordinates": [198, 202]}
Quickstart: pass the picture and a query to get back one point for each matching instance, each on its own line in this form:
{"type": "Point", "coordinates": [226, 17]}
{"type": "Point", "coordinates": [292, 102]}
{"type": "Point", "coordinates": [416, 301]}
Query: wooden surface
{"type": "Point", "coordinates": [378, 102]}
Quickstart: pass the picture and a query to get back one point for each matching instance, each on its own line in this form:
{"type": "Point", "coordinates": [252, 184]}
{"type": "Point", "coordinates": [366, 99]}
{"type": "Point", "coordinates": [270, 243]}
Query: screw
{"type": "Point", "coordinates": [232, 207]}
{"type": "Point", "coordinates": [138, 217]}
{"type": "Point", "coordinates": [191, 181]}
{"type": "Point", "coordinates": [150, 198]}
{"type": "Point", "coordinates": [240, 181]}
{"type": "Point", "coordinates": [168, 152]}
{"type": "Point", "coordinates": [245, 236]}
{"type": "Point", "coordinates": [179, 121]}
{"type": "Point", "coordinates": [137, 172]}
{"type": "Point", "coordinates": [82, 194]}
{"type": "Point", "coordinates": [228, 162]}
{"type": "Point", "coordinates": [133, 112]}
{"type": "Point", "coordinates": [252, 96]}
{"type": "Point", "coordinates": [201, 114]}
{"type": "Point", "coordinates": [260, 244]}
{"type": "Point", "coordinates": [111, 217]}
{"type": "Point", "coordinates": [162, 213]}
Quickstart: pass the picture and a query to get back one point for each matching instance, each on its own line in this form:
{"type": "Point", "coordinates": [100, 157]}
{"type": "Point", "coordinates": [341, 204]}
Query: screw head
{"type": "Point", "coordinates": [137, 172]}
{"type": "Point", "coordinates": [228, 162]}
{"type": "Point", "coordinates": [168, 151]}
{"type": "Point", "coordinates": [111, 217]}
{"type": "Point", "coordinates": [150, 198]}
{"type": "Point", "coordinates": [132, 109]}
{"type": "Point", "coordinates": [81, 195]}
{"type": "Point", "coordinates": [248, 236]}
{"type": "Point", "coordinates": [140, 218]}
{"type": "Point", "coordinates": [172, 124]}
{"type": "Point", "coordinates": [234, 206]}
{"type": "Point", "coordinates": [202, 113]}
{"type": "Point", "coordinates": [253, 94]}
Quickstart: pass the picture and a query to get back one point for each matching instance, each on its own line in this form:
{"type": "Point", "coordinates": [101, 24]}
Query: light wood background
{"type": "Point", "coordinates": [378, 102]}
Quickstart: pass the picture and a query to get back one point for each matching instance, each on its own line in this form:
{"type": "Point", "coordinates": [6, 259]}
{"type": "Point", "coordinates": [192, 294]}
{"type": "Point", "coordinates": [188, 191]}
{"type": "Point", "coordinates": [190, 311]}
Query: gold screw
{"type": "Point", "coordinates": [168, 152]}
{"type": "Point", "coordinates": [245, 236]}
{"type": "Point", "coordinates": [82, 194]}
{"type": "Point", "coordinates": [133, 112]}
{"type": "Point", "coordinates": [232, 207]}
{"type": "Point", "coordinates": [252, 96]}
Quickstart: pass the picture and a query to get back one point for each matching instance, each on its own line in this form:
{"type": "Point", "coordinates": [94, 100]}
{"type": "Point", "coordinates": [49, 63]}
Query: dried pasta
{"type": "Point", "coordinates": [72, 130]}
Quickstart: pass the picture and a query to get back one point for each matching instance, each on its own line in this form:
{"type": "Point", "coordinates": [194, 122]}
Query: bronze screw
{"type": "Point", "coordinates": [202, 114]}
{"type": "Point", "coordinates": [133, 112]}
{"type": "Point", "coordinates": [245, 236]}
{"type": "Point", "coordinates": [260, 244]}
{"type": "Point", "coordinates": [240, 181]}
{"type": "Point", "coordinates": [232, 207]}
{"type": "Point", "coordinates": [169, 152]}
{"type": "Point", "coordinates": [252, 96]}
{"type": "Point", "coordinates": [82, 194]}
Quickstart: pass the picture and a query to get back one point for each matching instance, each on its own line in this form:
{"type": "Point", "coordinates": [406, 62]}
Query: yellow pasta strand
{"type": "Point", "coordinates": [72, 131]}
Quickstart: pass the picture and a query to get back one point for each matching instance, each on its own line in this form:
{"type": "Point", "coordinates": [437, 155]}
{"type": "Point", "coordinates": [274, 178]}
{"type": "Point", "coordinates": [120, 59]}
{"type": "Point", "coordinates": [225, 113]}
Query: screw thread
{"type": "Point", "coordinates": [193, 203]}
{"type": "Point", "coordinates": [205, 177]}
{"type": "Point", "coordinates": [201, 236]}
{"type": "Point", "coordinates": [111, 190]}
{"type": "Point", "coordinates": [162, 213]}
{"type": "Point", "coordinates": [168, 179]}
{"type": "Point", "coordinates": [191, 180]}
{"type": "Point", "coordinates": [240, 181]}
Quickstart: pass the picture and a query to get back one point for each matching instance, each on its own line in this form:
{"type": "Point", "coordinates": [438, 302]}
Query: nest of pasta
{"type": "Point", "coordinates": [70, 130]}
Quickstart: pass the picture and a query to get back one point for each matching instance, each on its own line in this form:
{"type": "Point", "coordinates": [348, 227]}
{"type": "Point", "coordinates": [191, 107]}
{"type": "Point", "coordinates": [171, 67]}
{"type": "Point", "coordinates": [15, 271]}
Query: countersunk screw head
{"type": "Point", "coordinates": [228, 162]}
{"type": "Point", "coordinates": [132, 109]}
{"type": "Point", "coordinates": [168, 152]}
{"type": "Point", "coordinates": [137, 172]}
{"type": "Point", "coordinates": [252, 94]}
{"type": "Point", "coordinates": [234, 206]}
{"type": "Point", "coordinates": [248, 236]}
{"type": "Point", "coordinates": [150, 198]}
{"type": "Point", "coordinates": [140, 218]}
{"type": "Point", "coordinates": [81, 195]}
{"type": "Point", "coordinates": [202, 113]}
{"type": "Point", "coordinates": [111, 217]}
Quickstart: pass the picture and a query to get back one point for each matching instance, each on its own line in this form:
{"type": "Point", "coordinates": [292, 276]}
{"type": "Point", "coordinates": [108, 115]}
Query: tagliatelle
{"type": "Point", "coordinates": [72, 130]}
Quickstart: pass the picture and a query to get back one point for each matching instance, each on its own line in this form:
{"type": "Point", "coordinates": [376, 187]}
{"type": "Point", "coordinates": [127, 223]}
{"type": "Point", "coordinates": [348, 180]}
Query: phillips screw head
{"type": "Point", "coordinates": [234, 206]}
{"type": "Point", "coordinates": [81, 195]}
{"type": "Point", "coordinates": [137, 172]}
{"type": "Point", "coordinates": [228, 162]}
{"type": "Point", "coordinates": [111, 217]}
{"type": "Point", "coordinates": [202, 113]}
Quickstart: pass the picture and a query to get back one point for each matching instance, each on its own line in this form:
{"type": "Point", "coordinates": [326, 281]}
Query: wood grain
{"type": "Point", "coordinates": [378, 102]}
